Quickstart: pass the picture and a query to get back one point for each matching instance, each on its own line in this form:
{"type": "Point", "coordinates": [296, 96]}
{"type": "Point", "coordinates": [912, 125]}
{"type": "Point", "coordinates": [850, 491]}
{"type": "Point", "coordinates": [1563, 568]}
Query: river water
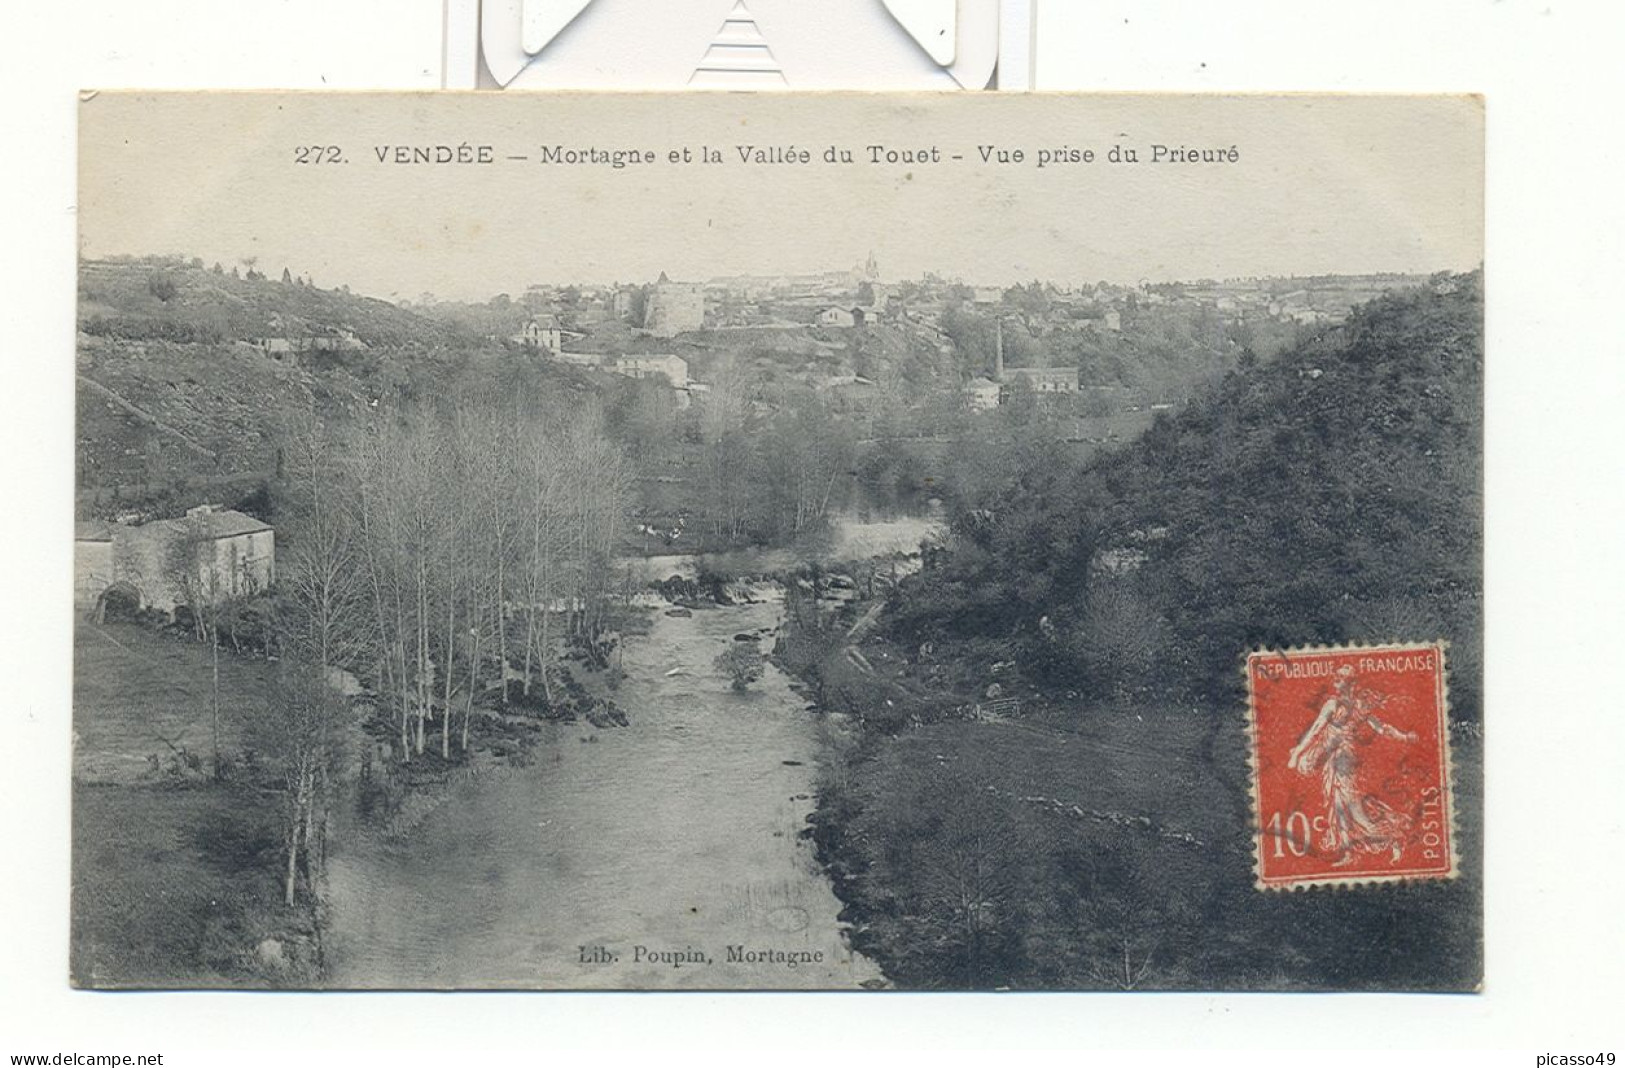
{"type": "Point", "coordinates": [852, 539]}
{"type": "Point", "coordinates": [663, 855]}
{"type": "Point", "coordinates": [678, 834]}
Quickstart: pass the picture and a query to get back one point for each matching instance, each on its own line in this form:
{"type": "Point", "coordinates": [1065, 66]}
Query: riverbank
{"type": "Point", "coordinates": [665, 855]}
{"type": "Point", "coordinates": [175, 874]}
{"type": "Point", "coordinates": [983, 832]}
{"type": "Point", "coordinates": [176, 888]}
{"type": "Point", "coordinates": [178, 875]}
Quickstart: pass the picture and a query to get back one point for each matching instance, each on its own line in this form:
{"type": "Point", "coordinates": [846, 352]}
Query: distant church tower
{"type": "Point", "coordinates": [871, 269]}
{"type": "Point", "coordinates": [738, 57]}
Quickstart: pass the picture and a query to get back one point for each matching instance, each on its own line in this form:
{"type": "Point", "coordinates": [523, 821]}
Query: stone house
{"type": "Point", "coordinates": [211, 552]}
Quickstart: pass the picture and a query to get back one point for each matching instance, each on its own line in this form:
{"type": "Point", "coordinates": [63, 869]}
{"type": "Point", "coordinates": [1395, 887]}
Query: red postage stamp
{"type": "Point", "coordinates": [1350, 751]}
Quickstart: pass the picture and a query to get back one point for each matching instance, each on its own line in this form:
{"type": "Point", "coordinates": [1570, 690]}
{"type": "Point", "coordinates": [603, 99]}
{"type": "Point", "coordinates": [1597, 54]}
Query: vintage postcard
{"type": "Point", "coordinates": [842, 542]}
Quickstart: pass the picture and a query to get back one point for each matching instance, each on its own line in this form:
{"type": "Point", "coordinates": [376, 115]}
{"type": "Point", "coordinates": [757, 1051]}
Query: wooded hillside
{"type": "Point", "coordinates": [1333, 494]}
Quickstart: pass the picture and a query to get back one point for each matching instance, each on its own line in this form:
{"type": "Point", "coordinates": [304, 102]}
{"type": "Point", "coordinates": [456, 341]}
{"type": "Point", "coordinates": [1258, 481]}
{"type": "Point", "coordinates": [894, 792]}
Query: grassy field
{"type": "Point", "coordinates": [177, 887]}
{"type": "Point", "coordinates": [1114, 766]}
{"type": "Point", "coordinates": [140, 695]}
{"type": "Point", "coordinates": [1116, 836]}
{"type": "Point", "coordinates": [175, 876]}
{"type": "Point", "coordinates": [1115, 427]}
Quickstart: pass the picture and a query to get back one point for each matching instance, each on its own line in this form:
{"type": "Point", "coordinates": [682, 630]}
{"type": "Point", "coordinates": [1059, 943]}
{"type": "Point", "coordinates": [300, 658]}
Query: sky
{"type": "Point", "coordinates": [1320, 184]}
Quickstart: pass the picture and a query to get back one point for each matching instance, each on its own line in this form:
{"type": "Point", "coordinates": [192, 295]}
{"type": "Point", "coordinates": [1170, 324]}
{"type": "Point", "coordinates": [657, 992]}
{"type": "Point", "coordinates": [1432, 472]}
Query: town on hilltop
{"type": "Point", "coordinates": [1049, 323]}
{"type": "Point", "coordinates": [886, 358]}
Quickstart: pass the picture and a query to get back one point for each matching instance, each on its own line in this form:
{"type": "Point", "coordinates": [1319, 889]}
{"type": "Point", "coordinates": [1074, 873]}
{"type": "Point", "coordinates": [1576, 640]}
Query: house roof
{"type": "Point", "coordinates": [92, 530]}
{"type": "Point", "coordinates": [633, 357]}
{"type": "Point", "coordinates": [231, 524]}
{"type": "Point", "coordinates": [1043, 372]}
{"type": "Point", "coordinates": [223, 523]}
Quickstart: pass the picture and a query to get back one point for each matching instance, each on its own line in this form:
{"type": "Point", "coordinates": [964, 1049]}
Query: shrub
{"type": "Point", "coordinates": [742, 663]}
{"type": "Point", "coordinates": [162, 286]}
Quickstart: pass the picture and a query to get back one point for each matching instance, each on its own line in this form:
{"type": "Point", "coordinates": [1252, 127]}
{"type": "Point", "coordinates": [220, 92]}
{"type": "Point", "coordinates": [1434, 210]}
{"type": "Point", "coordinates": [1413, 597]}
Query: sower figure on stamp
{"type": "Point", "coordinates": [1355, 823]}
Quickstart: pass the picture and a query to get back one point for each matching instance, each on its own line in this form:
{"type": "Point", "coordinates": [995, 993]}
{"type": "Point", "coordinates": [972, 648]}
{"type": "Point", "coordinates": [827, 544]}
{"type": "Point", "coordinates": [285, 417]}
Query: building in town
{"type": "Point", "coordinates": [674, 308]}
{"type": "Point", "coordinates": [1043, 379]}
{"type": "Point", "coordinates": [542, 334]}
{"type": "Point", "coordinates": [981, 394]}
{"type": "Point", "coordinates": [674, 369]}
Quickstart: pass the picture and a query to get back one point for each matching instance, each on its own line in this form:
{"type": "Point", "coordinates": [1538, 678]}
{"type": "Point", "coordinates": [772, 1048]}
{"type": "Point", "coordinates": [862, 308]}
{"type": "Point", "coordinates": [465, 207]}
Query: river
{"type": "Point", "coordinates": [852, 539]}
{"type": "Point", "coordinates": [664, 855]}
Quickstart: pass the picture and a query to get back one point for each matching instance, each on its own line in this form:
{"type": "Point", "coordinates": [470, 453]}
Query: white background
{"type": "Point", "coordinates": [1556, 955]}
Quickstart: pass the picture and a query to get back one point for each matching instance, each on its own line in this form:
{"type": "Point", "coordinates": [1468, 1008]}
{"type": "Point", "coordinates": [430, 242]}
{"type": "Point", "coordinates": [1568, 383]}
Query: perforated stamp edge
{"type": "Point", "coordinates": [1363, 880]}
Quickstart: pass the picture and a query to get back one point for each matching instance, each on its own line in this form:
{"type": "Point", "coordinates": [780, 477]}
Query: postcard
{"type": "Point", "coordinates": [802, 541]}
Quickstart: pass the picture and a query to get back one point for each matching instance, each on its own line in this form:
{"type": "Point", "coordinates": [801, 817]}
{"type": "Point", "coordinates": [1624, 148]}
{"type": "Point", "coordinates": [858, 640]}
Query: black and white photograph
{"type": "Point", "coordinates": [787, 542]}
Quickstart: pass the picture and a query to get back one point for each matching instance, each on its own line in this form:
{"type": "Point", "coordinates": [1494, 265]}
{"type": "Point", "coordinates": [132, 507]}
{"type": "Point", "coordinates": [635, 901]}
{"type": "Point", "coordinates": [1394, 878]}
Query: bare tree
{"type": "Point", "coordinates": [319, 559]}
{"type": "Point", "coordinates": [967, 877]}
{"type": "Point", "coordinates": [457, 512]}
{"type": "Point", "coordinates": [381, 540]}
{"type": "Point", "coordinates": [547, 476]}
{"type": "Point", "coordinates": [305, 732]}
{"type": "Point", "coordinates": [723, 418]}
{"type": "Point", "coordinates": [192, 569]}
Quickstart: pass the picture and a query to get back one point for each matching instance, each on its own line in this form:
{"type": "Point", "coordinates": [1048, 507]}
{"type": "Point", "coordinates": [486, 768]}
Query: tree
{"type": "Point", "coordinates": [193, 571]}
{"type": "Point", "coordinates": [319, 566]}
{"type": "Point", "coordinates": [638, 306]}
{"type": "Point", "coordinates": [815, 454]}
{"type": "Point", "coordinates": [644, 414]}
{"type": "Point", "coordinates": [1300, 503]}
{"type": "Point", "coordinates": [305, 733]}
{"type": "Point", "coordinates": [162, 285]}
{"type": "Point", "coordinates": [543, 499]}
{"type": "Point", "coordinates": [386, 564]}
{"type": "Point", "coordinates": [723, 417]}
{"type": "Point", "coordinates": [951, 855]}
